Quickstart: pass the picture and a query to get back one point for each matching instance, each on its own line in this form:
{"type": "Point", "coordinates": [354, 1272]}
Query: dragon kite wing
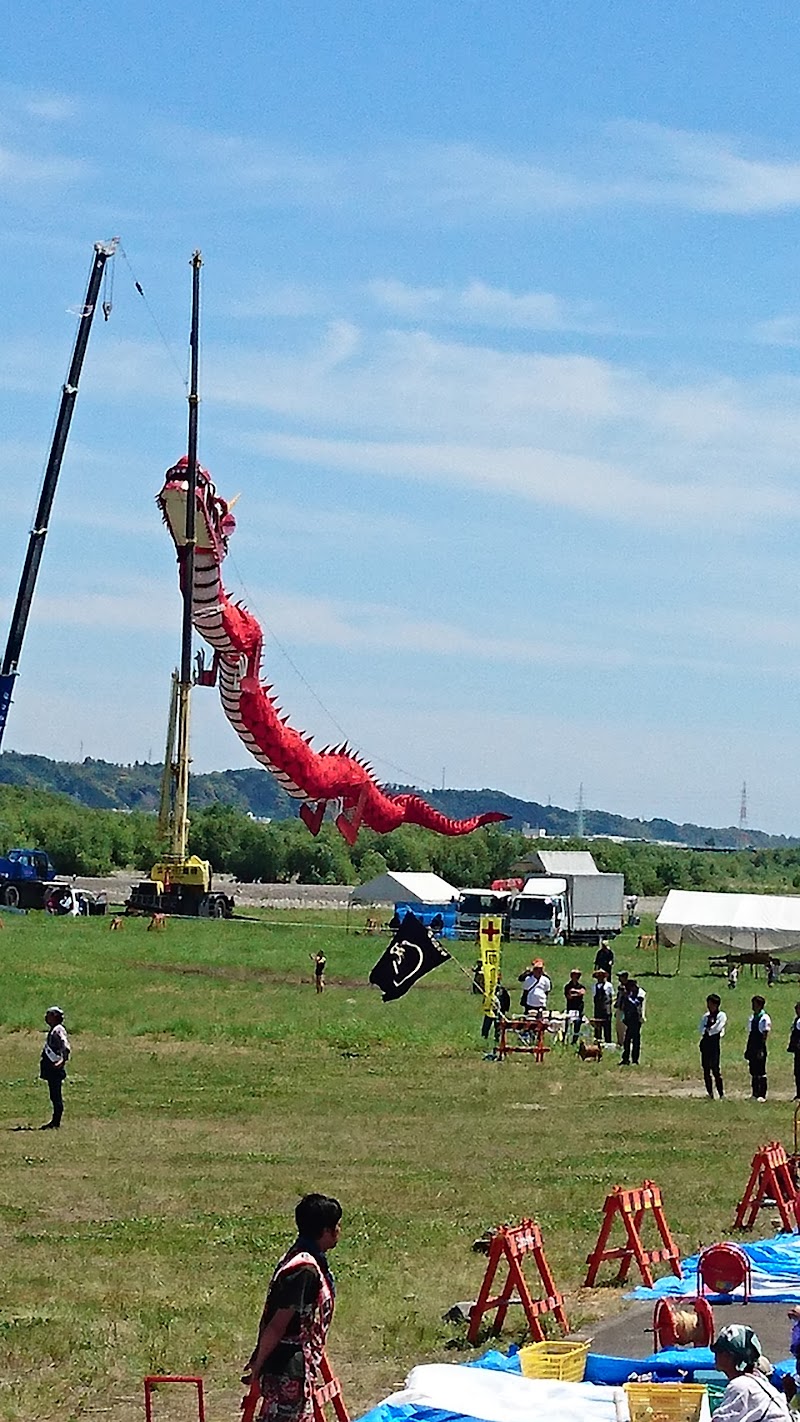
{"type": "Point", "coordinates": [333, 776]}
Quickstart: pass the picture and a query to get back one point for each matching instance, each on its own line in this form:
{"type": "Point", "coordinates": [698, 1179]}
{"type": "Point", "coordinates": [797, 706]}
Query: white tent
{"type": "Point", "coordinates": [391, 888]}
{"type": "Point", "coordinates": [740, 922]}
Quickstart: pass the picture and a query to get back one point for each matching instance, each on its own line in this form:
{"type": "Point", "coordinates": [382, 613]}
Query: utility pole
{"type": "Point", "coordinates": [580, 826]}
{"type": "Point", "coordinates": [9, 669]}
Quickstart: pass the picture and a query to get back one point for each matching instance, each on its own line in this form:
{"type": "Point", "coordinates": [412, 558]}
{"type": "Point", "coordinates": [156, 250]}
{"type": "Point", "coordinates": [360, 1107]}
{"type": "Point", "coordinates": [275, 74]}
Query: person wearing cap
{"type": "Point", "coordinates": [602, 1005]}
{"type": "Point", "coordinates": [712, 1030]}
{"type": "Point", "coordinates": [759, 1025]}
{"type": "Point", "coordinates": [535, 987]}
{"type": "Point", "coordinates": [632, 1018]}
{"type": "Point", "coordinates": [574, 998]}
{"type": "Point", "coordinates": [53, 1064]}
{"type": "Point", "coordinates": [748, 1397]}
{"type": "Point", "coordinates": [619, 1001]}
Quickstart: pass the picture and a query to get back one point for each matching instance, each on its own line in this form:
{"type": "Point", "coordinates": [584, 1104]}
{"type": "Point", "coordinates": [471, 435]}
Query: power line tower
{"type": "Point", "coordinates": [580, 818]}
{"type": "Point", "coordinates": [743, 811]}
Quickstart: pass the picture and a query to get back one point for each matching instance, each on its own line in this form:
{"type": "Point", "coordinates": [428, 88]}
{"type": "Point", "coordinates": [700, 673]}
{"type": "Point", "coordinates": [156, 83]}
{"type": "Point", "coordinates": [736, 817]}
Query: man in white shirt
{"type": "Point", "coordinates": [712, 1030]}
{"type": "Point", "coordinates": [535, 987]}
{"type": "Point", "coordinates": [759, 1025]}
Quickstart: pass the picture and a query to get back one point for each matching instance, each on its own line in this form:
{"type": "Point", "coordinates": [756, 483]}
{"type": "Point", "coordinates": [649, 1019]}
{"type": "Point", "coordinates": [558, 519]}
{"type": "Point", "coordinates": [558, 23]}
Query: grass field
{"type": "Point", "coordinates": [209, 1086]}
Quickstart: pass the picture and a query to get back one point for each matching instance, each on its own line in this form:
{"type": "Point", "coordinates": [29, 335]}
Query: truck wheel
{"type": "Point", "coordinates": [216, 908]}
{"type": "Point", "coordinates": [11, 896]}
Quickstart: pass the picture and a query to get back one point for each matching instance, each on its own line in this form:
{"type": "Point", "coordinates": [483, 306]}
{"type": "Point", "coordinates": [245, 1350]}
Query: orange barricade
{"type": "Point", "coordinates": [529, 1033]}
{"type": "Point", "coordinates": [631, 1206]}
{"type": "Point", "coordinates": [155, 1380]}
{"type": "Point", "coordinates": [513, 1243]}
{"type": "Point", "coordinates": [771, 1183]}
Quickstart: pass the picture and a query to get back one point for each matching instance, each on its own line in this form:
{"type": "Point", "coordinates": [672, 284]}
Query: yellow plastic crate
{"type": "Point", "coordinates": [564, 1361]}
{"type": "Point", "coordinates": [665, 1402]}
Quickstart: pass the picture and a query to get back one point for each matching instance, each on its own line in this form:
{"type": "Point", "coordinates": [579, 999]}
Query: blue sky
{"type": "Point", "coordinates": [500, 346]}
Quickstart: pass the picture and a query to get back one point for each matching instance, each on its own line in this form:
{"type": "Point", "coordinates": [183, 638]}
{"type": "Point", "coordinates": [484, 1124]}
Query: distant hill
{"type": "Point", "coordinates": [103, 786]}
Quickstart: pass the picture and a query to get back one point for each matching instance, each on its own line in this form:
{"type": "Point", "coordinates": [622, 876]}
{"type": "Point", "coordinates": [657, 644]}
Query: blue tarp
{"type": "Point", "coordinates": [775, 1265]}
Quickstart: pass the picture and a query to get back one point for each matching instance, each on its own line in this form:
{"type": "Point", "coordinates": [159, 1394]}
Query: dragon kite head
{"type": "Point", "coordinates": [214, 521]}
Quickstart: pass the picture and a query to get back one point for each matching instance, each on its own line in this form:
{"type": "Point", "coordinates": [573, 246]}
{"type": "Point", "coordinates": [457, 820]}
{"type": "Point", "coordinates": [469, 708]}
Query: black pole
{"type": "Point", "coordinates": [180, 824]}
{"type": "Point", "coordinates": [33, 558]}
{"type": "Point", "coordinates": [191, 475]}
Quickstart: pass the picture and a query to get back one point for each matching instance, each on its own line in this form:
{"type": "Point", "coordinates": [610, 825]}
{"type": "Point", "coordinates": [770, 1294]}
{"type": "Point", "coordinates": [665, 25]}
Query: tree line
{"type": "Point", "coordinates": [95, 842]}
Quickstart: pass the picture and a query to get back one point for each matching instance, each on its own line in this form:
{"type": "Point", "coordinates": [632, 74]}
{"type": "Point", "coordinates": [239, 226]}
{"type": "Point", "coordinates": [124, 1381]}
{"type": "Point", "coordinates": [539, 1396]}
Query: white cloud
{"type": "Point", "coordinates": [625, 163]}
{"type": "Point", "coordinates": [779, 331]}
{"type": "Point", "coordinates": [18, 169]}
{"type": "Point", "coordinates": [482, 305]}
{"type": "Point", "coordinates": [52, 108]}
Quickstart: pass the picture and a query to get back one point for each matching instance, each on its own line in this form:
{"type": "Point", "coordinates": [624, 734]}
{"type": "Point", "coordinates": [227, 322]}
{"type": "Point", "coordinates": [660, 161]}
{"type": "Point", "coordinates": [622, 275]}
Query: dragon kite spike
{"type": "Point", "coordinates": [333, 776]}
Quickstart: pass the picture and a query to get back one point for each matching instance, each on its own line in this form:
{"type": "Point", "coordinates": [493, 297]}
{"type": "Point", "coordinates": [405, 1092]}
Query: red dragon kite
{"type": "Point", "coordinates": [335, 775]}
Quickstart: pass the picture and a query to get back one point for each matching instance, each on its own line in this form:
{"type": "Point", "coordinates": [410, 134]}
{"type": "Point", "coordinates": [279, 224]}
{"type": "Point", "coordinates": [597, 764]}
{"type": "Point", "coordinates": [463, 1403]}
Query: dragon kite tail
{"type": "Point", "coordinates": [333, 777]}
{"type": "Point", "coordinates": [419, 812]}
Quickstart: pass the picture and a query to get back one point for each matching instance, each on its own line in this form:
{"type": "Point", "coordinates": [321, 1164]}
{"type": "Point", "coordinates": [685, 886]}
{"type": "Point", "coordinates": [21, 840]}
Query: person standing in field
{"type": "Point", "coordinates": [712, 1030]}
{"type": "Point", "coordinates": [574, 998]}
{"type": "Point", "coordinates": [53, 1064]}
{"type": "Point", "coordinates": [759, 1026]}
{"type": "Point", "coordinates": [602, 1006]}
{"type": "Point", "coordinates": [632, 1010]}
{"type": "Point", "coordinates": [794, 1048]}
{"type": "Point", "coordinates": [535, 987]}
{"type": "Point", "coordinates": [320, 963]}
{"type": "Point", "coordinates": [619, 1002]}
{"type": "Point", "coordinates": [297, 1314]}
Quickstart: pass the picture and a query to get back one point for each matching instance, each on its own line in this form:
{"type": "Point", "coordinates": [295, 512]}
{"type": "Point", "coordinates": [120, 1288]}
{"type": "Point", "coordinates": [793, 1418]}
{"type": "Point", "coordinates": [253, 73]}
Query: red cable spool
{"type": "Point", "coordinates": [723, 1268]}
{"type": "Point", "coordinates": [683, 1322]}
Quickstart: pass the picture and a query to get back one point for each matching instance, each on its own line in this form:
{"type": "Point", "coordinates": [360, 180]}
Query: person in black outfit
{"type": "Point", "coordinates": [502, 1006]}
{"type": "Point", "coordinates": [53, 1064]}
{"type": "Point", "coordinates": [574, 998]}
{"type": "Point", "coordinates": [604, 957]}
{"type": "Point", "coordinates": [755, 1053]}
{"type": "Point", "coordinates": [632, 1022]}
{"type": "Point", "coordinates": [712, 1030]}
{"type": "Point", "coordinates": [794, 1048]}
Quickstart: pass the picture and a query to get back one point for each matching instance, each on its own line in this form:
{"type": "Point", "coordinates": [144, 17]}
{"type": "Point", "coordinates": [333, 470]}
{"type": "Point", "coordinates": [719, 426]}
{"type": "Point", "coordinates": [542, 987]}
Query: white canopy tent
{"type": "Point", "coordinates": [742, 923]}
{"type": "Point", "coordinates": [391, 888]}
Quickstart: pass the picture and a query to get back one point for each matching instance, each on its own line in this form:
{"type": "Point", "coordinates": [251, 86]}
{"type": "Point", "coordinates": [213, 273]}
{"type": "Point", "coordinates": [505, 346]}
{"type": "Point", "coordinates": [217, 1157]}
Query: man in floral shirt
{"type": "Point", "coordinates": [297, 1314]}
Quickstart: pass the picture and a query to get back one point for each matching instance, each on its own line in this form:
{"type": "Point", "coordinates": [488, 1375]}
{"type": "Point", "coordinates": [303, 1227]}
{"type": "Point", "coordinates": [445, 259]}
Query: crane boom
{"type": "Point", "coordinates": [30, 572]}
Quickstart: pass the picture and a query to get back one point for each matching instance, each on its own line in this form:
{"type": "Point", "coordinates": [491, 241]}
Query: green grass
{"type": "Point", "coordinates": [210, 1086]}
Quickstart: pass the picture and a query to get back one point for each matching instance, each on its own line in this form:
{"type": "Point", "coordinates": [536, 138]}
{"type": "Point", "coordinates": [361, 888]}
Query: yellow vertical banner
{"type": "Point", "coordinates": [490, 937]}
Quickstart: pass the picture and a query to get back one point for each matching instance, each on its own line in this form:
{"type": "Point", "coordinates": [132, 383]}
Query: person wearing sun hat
{"type": "Point", "coordinates": [53, 1063]}
{"type": "Point", "coordinates": [535, 987]}
{"type": "Point", "coordinates": [748, 1397]}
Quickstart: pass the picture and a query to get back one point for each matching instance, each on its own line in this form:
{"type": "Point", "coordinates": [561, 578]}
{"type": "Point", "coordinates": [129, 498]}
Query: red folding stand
{"type": "Point", "coordinates": [512, 1244]}
{"type": "Point", "coordinates": [327, 1390]}
{"type": "Point", "coordinates": [631, 1207]}
{"type": "Point", "coordinates": [155, 1380]}
{"type": "Point", "coordinates": [770, 1184]}
{"type": "Point", "coordinates": [533, 1028]}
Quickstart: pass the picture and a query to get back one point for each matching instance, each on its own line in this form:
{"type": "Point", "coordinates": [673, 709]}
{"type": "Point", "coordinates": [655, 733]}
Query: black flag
{"type": "Point", "coordinates": [412, 953]}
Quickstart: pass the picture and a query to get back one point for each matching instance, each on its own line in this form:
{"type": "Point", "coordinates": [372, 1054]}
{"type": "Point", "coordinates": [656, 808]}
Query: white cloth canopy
{"type": "Point", "coordinates": [392, 888]}
{"type": "Point", "coordinates": [740, 922]}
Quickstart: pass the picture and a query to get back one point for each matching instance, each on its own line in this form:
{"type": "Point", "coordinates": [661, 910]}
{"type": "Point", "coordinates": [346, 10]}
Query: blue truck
{"type": "Point", "coordinates": [26, 877]}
